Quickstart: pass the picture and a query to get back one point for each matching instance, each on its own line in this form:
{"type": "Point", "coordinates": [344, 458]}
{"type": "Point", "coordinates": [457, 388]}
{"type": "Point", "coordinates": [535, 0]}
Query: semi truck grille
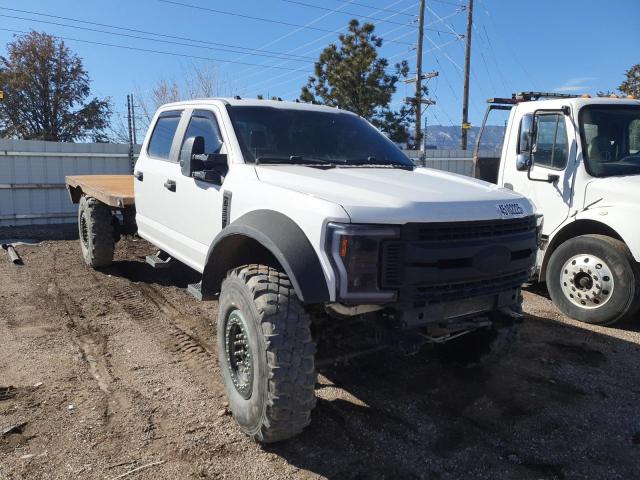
{"type": "Point", "coordinates": [440, 262]}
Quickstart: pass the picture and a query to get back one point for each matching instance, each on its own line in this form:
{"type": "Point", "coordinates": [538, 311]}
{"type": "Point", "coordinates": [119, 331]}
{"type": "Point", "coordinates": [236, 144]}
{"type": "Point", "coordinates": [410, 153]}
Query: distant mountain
{"type": "Point", "coordinates": [448, 137]}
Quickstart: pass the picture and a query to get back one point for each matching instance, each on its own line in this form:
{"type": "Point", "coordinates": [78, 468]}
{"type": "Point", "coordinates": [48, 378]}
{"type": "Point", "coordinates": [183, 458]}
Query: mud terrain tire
{"type": "Point", "coordinates": [260, 318]}
{"type": "Point", "coordinates": [96, 230]}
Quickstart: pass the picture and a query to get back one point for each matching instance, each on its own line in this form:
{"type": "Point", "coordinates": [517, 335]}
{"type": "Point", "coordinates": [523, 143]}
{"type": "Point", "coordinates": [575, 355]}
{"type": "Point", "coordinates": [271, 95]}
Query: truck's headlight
{"type": "Point", "coordinates": [355, 251]}
{"type": "Point", "coordinates": [539, 225]}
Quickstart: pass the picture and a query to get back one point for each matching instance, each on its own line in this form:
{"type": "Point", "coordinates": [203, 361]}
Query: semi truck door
{"type": "Point", "coordinates": [554, 144]}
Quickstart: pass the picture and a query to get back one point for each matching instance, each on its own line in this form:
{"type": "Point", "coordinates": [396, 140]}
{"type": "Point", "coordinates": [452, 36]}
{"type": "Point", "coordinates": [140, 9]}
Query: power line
{"type": "Point", "coordinates": [513, 53]}
{"type": "Point", "coordinates": [138, 37]}
{"type": "Point", "coordinates": [344, 12]}
{"type": "Point", "coordinates": [250, 17]}
{"type": "Point", "coordinates": [454, 4]}
{"type": "Point", "coordinates": [494, 57]}
{"type": "Point", "coordinates": [270, 80]}
{"type": "Point", "coordinates": [163, 35]}
{"type": "Point", "coordinates": [293, 32]}
{"type": "Point", "coordinates": [439, 20]}
{"type": "Point", "coordinates": [148, 50]}
{"type": "Point", "coordinates": [297, 2]}
{"type": "Point", "coordinates": [439, 105]}
{"type": "Point", "coordinates": [372, 7]}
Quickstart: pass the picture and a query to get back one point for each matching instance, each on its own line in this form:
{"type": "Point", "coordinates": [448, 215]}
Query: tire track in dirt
{"type": "Point", "coordinates": [158, 316]}
{"type": "Point", "coordinates": [92, 345]}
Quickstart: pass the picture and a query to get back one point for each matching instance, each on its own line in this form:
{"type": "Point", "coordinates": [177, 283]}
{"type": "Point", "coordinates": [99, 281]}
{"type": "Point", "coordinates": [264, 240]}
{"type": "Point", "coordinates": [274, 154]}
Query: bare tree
{"type": "Point", "coordinates": [197, 81]}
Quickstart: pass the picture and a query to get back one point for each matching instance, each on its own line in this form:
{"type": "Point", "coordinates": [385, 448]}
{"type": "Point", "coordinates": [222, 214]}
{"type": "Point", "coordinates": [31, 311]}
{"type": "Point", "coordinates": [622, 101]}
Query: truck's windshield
{"type": "Point", "coordinates": [290, 136]}
{"type": "Point", "coordinates": [611, 139]}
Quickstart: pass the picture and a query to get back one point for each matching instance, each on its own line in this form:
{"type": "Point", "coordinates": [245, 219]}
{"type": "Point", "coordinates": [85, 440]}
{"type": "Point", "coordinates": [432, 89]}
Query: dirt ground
{"type": "Point", "coordinates": [117, 370]}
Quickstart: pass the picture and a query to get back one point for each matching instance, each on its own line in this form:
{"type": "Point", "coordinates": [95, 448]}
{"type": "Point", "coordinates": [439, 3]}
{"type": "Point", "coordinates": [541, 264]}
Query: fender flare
{"type": "Point", "coordinates": [282, 238]}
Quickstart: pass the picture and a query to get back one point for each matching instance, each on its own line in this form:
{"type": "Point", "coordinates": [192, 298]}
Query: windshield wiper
{"type": "Point", "coordinates": [370, 162]}
{"type": "Point", "coordinates": [293, 160]}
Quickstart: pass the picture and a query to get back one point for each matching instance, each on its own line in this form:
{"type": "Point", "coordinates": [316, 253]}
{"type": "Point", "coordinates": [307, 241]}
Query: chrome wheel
{"type": "Point", "coordinates": [586, 281]}
{"type": "Point", "coordinates": [238, 353]}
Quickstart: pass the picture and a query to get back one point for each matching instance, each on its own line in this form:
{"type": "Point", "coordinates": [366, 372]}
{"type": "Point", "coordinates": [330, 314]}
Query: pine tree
{"type": "Point", "coordinates": [631, 86]}
{"type": "Point", "coordinates": [353, 77]}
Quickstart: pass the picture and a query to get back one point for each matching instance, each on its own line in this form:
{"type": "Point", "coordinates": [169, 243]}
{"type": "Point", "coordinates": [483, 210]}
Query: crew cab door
{"type": "Point", "coordinates": [179, 214]}
{"type": "Point", "coordinates": [554, 143]}
{"type": "Point", "coordinates": [156, 165]}
{"type": "Point", "coordinates": [197, 216]}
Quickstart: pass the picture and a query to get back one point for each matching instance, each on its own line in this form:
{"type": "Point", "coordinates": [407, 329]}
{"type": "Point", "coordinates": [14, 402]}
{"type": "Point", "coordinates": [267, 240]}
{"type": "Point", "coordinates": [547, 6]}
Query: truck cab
{"type": "Point", "coordinates": [578, 160]}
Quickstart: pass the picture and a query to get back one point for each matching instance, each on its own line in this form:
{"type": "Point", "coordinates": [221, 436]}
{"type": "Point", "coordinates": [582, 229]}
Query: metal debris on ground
{"type": "Point", "coordinates": [17, 428]}
{"type": "Point", "coordinates": [10, 246]}
{"type": "Point", "coordinates": [13, 254]}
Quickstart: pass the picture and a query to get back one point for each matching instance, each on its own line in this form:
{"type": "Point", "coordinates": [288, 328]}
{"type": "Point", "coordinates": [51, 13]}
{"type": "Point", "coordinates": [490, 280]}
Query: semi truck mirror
{"type": "Point", "coordinates": [192, 146]}
{"type": "Point", "coordinates": [522, 162]}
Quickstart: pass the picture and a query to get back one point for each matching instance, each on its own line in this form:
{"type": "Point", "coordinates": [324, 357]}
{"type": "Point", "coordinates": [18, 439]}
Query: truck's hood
{"type": "Point", "coordinates": [613, 190]}
{"type": "Point", "coordinates": [381, 195]}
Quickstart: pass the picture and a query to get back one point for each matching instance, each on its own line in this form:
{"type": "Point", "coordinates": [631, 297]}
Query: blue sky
{"type": "Point", "coordinates": [562, 45]}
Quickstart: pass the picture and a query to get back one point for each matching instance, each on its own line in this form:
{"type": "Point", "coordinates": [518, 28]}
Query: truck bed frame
{"type": "Point", "coordinates": [116, 191]}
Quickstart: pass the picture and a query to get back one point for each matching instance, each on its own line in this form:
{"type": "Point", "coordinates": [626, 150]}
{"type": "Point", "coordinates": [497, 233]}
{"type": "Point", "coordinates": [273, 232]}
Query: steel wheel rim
{"type": "Point", "coordinates": [587, 281]}
{"type": "Point", "coordinates": [238, 354]}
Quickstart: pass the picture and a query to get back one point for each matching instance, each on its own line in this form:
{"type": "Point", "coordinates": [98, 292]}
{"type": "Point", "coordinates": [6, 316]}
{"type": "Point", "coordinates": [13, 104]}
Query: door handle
{"type": "Point", "coordinates": [139, 176]}
{"type": "Point", "coordinates": [170, 185]}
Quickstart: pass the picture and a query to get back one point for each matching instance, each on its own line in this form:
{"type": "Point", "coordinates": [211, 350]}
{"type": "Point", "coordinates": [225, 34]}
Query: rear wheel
{"type": "Point", "coordinates": [96, 231]}
{"type": "Point", "coordinates": [266, 353]}
{"type": "Point", "coordinates": [593, 279]}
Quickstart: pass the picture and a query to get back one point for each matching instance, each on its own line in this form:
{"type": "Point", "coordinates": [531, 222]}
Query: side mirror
{"type": "Point", "coordinates": [209, 176]}
{"type": "Point", "coordinates": [522, 162]}
{"type": "Point", "coordinates": [192, 146]}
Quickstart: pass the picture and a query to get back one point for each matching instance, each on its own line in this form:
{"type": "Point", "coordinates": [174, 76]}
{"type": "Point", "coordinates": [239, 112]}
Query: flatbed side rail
{"type": "Point", "coordinates": [115, 191]}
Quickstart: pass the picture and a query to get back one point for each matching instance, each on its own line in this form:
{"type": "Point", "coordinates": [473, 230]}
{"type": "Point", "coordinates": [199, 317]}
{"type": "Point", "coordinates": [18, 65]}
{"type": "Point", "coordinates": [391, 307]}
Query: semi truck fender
{"type": "Point", "coordinates": [268, 237]}
{"type": "Point", "coordinates": [620, 218]}
{"type": "Point", "coordinates": [591, 222]}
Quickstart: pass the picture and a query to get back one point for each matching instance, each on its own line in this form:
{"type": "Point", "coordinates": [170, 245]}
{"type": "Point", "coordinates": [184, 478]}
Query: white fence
{"type": "Point", "coordinates": [32, 172]}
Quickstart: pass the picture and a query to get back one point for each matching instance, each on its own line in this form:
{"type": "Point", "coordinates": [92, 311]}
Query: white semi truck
{"type": "Point", "coordinates": [577, 159]}
{"type": "Point", "coordinates": [320, 240]}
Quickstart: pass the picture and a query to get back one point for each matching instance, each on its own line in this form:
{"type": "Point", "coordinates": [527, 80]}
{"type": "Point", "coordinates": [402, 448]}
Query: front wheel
{"type": "Point", "coordinates": [266, 353]}
{"type": "Point", "coordinates": [593, 279]}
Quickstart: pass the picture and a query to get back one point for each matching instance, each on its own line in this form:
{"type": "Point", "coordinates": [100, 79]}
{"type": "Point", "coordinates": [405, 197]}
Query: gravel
{"type": "Point", "coordinates": [135, 357]}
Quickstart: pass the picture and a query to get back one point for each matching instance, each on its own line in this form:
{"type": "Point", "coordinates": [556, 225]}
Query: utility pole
{"type": "Point", "coordinates": [467, 61]}
{"type": "Point", "coordinates": [418, 104]}
{"type": "Point", "coordinates": [133, 121]}
{"type": "Point", "coordinates": [130, 126]}
{"type": "Point", "coordinates": [421, 101]}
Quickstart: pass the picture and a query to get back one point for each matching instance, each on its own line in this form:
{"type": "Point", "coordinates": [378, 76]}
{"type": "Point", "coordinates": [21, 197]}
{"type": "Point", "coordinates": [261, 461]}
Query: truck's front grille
{"type": "Point", "coordinates": [440, 262]}
{"type": "Point", "coordinates": [456, 291]}
{"type": "Point", "coordinates": [470, 230]}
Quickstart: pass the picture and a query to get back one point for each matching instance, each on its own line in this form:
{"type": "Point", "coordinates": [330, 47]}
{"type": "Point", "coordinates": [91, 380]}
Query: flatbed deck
{"type": "Point", "coordinates": [113, 190]}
